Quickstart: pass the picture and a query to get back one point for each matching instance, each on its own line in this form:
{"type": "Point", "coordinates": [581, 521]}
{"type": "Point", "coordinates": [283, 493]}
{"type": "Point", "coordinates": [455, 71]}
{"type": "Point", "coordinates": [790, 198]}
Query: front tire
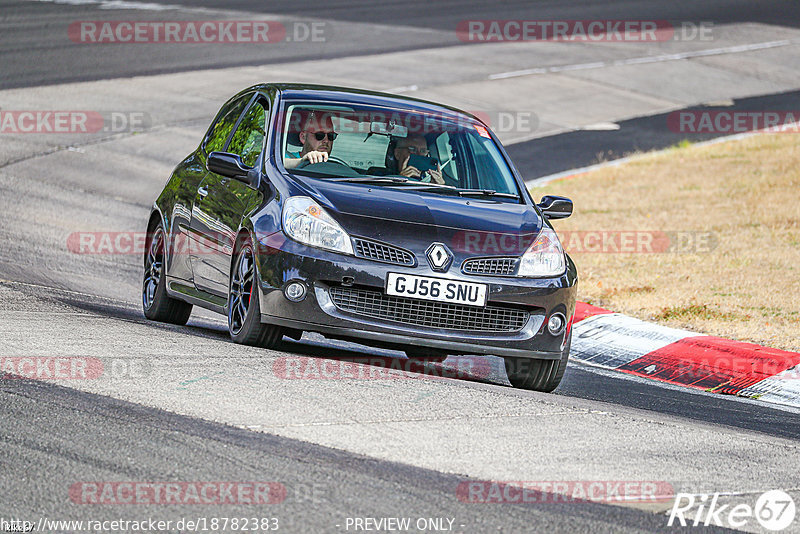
{"type": "Point", "coordinates": [156, 303]}
{"type": "Point", "coordinates": [244, 309]}
{"type": "Point", "coordinates": [538, 375]}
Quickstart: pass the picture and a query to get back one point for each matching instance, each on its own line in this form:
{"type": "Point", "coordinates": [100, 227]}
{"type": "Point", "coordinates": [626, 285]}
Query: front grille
{"type": "Point", "coordinates": [428, 313]}
{"type": "Point", "coordinates": [372, 250]}
{"type": "Point", "coordinates": [490, 266]}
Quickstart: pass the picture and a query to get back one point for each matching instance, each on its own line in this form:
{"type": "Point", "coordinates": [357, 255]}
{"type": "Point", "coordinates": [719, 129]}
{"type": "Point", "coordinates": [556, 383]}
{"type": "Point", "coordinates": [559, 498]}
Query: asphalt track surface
{"type": "Point", "coordinates": [323, 485]}
{"type": "Point", "coordinates": [36, 49]}
{"type": "Point", "coordinates": [379, 459]}
{"type": "Point", "coordinates": [573, 150]}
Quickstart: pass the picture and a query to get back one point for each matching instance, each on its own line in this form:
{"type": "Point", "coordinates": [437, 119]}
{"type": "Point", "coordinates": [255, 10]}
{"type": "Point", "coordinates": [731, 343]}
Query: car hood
{"type": "Point", "coordinates": [470, 226]}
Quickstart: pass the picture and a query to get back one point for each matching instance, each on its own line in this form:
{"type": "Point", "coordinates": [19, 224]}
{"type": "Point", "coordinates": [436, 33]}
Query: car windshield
{"type": "Point", "coordinates": [442, 153]}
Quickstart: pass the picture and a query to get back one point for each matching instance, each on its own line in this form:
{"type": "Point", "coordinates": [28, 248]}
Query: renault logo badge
{"type": "Point", "coordinates": [439, 257]}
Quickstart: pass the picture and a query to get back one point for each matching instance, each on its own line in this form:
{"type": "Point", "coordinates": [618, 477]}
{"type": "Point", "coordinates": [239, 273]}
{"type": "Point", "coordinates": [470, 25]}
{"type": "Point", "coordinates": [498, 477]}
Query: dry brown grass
{"type": "Point", "coordinates": [746, 193]}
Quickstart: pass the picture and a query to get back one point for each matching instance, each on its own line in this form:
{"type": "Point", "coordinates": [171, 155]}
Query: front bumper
{"type": "Point", "coordinates": [281, 261]}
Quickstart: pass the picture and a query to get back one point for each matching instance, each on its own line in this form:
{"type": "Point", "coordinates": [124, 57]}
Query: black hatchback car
{"type": "Point", "coordinates": [364, 216]}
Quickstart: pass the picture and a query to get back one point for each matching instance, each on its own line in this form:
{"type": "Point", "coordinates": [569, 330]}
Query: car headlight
{"type": "Point", "coordinates": [305, 221]}
{"type": "Point", "coordinates": [545, 256]}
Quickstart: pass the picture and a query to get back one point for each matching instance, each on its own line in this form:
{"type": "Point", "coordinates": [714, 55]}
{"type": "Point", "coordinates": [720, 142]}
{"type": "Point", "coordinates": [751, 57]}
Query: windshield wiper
{"type": "Point", "coordinates": [428, 185]}
{"type": "Point", "coordinates": [372, 179]}
{"type": "Point", "coordinates": [485, 193]}
{"type": "Point", "coordinates": [395, 181]}
{"type": "Point", "coordinates": [405, 183]}
{"type": "Point", "coordinates": [429, 189]}
{"type": "Point", "coordinates": [401, 182]}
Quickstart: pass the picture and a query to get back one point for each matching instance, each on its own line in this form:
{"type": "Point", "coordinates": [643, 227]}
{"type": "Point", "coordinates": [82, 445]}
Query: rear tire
{"type": "Point", "coordinates": [244, 309]}
{"type": "Point", "coordinates": [156, 303]}
{"type": "Point", "coordinates": [538, 375]}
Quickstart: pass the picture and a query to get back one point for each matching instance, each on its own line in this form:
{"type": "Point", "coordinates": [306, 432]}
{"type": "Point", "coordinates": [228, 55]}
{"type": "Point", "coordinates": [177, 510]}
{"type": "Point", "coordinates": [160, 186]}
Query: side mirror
{"type": "Point", "coordinates": [231, 165]}
{"type": "Point", "coordinates": [554, 207]}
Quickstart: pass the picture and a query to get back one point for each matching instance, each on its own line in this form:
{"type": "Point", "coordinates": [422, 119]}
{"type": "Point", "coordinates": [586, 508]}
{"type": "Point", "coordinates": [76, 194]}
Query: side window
{"type": "Point", "coordinates": [485, 170]}
{"type": "Point", "coordinates": [447, 159]}
{"type": "Point", "coordinates": [222, 128]}
{"type": "Point", "coordinates": [491, 171]}
{"type": "Point", "coordinates": [249, 137]}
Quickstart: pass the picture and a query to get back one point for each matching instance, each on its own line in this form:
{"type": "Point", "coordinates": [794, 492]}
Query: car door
{"type": "Point", "coordinates": [185, 246]}
{"type": "Point", "coordinates": [222, 202]}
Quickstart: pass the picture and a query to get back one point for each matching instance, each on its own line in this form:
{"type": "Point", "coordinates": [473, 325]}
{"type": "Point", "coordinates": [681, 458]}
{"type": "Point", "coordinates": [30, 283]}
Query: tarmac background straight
{"type": "Point", "coordinates": [36, 48]}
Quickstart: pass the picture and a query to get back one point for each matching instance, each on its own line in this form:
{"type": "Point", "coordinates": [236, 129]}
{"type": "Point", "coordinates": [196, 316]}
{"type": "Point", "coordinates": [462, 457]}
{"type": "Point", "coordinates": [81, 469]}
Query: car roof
{"type": "Point", "coordinates": [351, 95]}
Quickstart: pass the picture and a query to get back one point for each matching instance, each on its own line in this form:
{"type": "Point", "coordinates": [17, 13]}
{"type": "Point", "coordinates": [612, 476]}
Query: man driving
{"type": "Point", "coordinates": [317, 138]}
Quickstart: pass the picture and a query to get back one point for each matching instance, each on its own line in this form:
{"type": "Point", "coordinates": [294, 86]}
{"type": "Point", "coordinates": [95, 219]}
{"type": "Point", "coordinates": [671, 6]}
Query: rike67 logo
{"type": "Point", "coordinates": [774, 510]}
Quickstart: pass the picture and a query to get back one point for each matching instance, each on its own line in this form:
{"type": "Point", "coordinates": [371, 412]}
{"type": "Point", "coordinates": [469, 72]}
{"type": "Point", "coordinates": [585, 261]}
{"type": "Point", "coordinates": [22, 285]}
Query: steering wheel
{"type": "Point", "coordinates": [331, 159]}
{"type": "Point", "coordinates": [334, 159]}
{"type": "Point", "coordinates": [333, 168]}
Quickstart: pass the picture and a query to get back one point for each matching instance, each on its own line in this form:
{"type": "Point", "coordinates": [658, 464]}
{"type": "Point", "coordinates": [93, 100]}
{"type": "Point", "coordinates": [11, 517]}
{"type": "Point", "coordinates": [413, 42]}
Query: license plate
{"type": "Point", "coordinates": [438, 289]}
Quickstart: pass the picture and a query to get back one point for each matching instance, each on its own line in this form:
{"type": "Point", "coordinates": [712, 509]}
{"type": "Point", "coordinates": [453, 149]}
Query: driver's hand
{"type": "Point", "coordinates": [410, 172]}
{"type": "Point", "coordinates": [315, 156]}
{"type": "Point", "coordinates": [407, 170]}
{"type": "Point", "coordinates": [436, 175]}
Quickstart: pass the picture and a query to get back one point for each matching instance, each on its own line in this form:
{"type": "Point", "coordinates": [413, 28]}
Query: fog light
{"type": "Point", "coordinates": [295, 291]}
{"type": "Point", "coordinates": [556, 323]}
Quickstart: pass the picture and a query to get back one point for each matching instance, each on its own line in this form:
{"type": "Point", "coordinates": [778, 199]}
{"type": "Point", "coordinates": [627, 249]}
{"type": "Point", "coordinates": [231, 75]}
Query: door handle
{"type": "Point", "coordinates": [203, 191]}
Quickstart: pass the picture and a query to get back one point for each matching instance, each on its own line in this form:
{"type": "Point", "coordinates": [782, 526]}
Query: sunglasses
{"type": "Point", "coordinates": [319, 136]}
{"type": "Point", "coordinates": [416, 150]}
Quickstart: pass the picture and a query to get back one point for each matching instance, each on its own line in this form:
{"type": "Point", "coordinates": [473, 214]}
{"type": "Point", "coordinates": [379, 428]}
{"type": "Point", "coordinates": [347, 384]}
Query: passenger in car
{"type": "Point", "coordinates": [401, 150]}
{"type": "Point", "coordinates": [317, 138]}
